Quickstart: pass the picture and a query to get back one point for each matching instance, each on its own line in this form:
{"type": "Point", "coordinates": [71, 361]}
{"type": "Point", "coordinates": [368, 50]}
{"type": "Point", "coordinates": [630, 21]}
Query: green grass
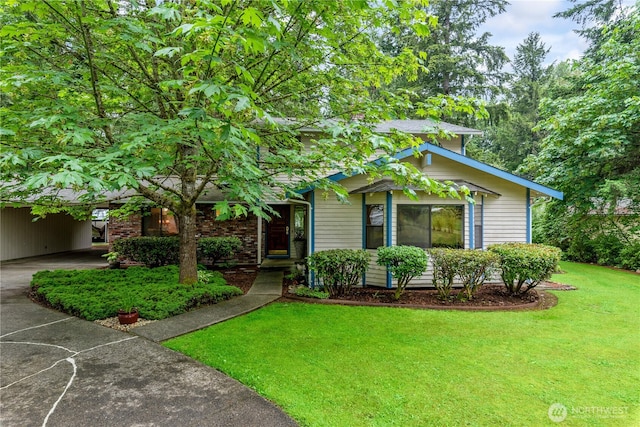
{"type": "Point", "coordinates": [98, 294]}
{"type": "Point", "coordinates": [363, 366]}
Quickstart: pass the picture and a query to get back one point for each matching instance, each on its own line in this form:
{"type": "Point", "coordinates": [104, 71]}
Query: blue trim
{"type": "Point", "coordinates": [428, 159]}
{"type": "Point", "coordinates": [482, 222]}
{"type": "Point", "coordinates": [528, 205]}
{"type": "Point", "coordinates": [364, 221]}
{"type": "Point", "coordinates": [388, 242]}
{"type": "Point", "coordinates": [472, 230]}
{"type": "Point", "coordinates": [364, 233]}
{"type": "Point", "coordinates": [459, 158]}
{"type": "Point", "coordinates": [312, 233]}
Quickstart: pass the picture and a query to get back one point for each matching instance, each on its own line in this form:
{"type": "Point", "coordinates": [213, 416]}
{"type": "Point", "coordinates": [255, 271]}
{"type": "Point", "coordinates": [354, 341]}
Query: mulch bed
{"type": "Point", "coordinates": [488, 297]}
{"type": "Point", "coordinates": [240, 277]}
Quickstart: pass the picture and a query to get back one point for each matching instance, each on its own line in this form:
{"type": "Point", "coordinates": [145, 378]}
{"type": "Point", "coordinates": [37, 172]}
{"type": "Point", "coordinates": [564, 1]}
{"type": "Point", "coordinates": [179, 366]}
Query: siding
{"type": "Point", "coordinates": [340, 226]}
{"type": "Point", "coordinates": [20, 237]}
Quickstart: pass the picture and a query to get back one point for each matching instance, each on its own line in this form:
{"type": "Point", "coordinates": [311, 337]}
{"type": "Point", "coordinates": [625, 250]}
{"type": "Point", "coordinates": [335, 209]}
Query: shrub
{"type": "Point", "coordinates": [151, 251]}
{"type": "Point", "coordinates": [523, 263]}
{"type": "Point", "coordinates": [303, 291]}
{"type": "Point", "coordinates": [404, 263]}
{"type": "Point", "coordinates": [474, 267]}
{"type": "Point", "coordinates": [630, 256]}
{"type": "Point", "coordinates": [98, 294]}
{"type": "Point", "coordinates": [444, 270]}
{"type": "Point", "coordinates": [607, 249]}
{"type": "Point", "coordinates": [213, 249]}
{"type": "Point", "coordinates": [338, 270]}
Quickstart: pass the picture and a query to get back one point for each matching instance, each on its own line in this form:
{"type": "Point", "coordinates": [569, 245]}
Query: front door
{"type": "Point", "coordinates": [278, 232]}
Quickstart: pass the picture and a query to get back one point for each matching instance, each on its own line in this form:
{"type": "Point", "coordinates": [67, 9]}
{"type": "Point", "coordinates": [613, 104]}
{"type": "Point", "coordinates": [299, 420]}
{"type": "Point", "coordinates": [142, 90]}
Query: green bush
{"type": "Point", "coordinates": [98, 294]}
{"type": "Point", "coordinates": [444, 270]}
{"type": "Point", "coordinates": [303, 291]}
{"type": "Point", "coordinates": [404, 263]}
{"type": "Point", "coordinates": [338, 270]}
{"type": "Point", "coordinates": [151, 251]}
{"type": "Point", "coordinates": [607, 249]}
{"type": "Point", "coordinates": [474, 267]}
{"type": "Point", "coordinates": [213, 249]}
{"type": "Point", "coordinates": [523, 263]}
{"type": "Point", "coordinates": [630, 256]}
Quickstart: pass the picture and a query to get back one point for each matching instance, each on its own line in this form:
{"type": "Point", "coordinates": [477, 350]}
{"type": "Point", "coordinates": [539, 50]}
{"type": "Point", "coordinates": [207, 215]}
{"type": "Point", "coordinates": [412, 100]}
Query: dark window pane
{"type": "Point", "coordinates": [375, 227]}
{"type": "Point", "coordinates": [446, 226]}
{"type": "Point", "coordinates": [159, 222]}
{"type": "Point", "coordinates": [413, 225]}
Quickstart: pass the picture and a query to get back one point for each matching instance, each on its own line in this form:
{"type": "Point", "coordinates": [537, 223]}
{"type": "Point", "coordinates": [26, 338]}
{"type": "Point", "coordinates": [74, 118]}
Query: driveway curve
{"type": "Point", "coordinates": [58, 370]}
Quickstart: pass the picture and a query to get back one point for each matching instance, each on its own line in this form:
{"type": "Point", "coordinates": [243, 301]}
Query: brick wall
{"type": "Point", "coordinates": [246, 229]}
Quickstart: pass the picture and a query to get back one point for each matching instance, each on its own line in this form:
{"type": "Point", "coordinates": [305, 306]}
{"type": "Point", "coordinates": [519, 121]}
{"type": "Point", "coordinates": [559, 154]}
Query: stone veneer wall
{"type": "Point", "coordinates": [245, 228]}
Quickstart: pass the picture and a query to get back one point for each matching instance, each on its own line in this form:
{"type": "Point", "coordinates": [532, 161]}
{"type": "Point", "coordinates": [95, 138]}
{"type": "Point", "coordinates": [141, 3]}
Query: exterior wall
{"type": "Point", "coordinates": [21, 237]}
{"type": "Point", "coordinates": [341, 226]}
{"type": "Point", "coordinates": [243, 228]}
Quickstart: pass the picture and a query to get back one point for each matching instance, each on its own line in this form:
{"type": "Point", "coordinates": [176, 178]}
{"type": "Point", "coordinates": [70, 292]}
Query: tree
{"type": "Point", "coordinates": [592, 148]}
{"type": "Point", "coordinates": [457, 60]}
{"type": "Point", "coordinates": [512, 139]}
{"type": "Point", "coordinates": [171, 99]}
{"type": "Point", "coordinates": [592, 15]}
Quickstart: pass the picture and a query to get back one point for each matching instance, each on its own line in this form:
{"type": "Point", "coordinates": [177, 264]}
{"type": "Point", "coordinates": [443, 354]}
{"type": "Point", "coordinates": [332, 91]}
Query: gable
{"type": "Point", "coordinates": [465, 168]}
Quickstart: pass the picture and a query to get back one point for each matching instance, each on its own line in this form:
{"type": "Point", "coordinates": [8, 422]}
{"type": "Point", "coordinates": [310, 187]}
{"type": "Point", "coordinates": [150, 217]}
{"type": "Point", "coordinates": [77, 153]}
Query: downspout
{"type": "Point", "coordinates": [259, 240]}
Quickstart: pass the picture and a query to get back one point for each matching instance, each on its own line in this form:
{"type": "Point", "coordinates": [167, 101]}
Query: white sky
{"type": "Point", "coordinates": [525, 16]}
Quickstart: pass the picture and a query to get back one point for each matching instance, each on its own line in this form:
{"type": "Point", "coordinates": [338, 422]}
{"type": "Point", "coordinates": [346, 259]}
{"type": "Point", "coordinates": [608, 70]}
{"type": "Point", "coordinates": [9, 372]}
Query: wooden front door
{"type": "Point", "coordinates": [278, 232]}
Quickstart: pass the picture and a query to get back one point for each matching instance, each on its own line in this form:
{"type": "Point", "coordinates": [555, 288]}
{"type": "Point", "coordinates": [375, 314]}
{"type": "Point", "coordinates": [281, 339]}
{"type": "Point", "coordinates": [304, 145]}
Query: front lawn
{"type": "Point", "coordinates": [98, 294]}
{"type": "Point", "coordinates": [369, 366]}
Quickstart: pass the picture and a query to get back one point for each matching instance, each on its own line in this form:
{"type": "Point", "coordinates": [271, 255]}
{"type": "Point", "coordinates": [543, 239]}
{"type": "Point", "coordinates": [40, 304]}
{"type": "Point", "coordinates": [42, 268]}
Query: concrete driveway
{"type": "Point", "coordinates": [58, 370]}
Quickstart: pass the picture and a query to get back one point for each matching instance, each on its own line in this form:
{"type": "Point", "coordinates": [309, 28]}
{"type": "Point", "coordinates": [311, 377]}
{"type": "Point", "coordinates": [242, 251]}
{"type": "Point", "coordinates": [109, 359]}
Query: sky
{"type": "Point", "coordinates": [525, 16]}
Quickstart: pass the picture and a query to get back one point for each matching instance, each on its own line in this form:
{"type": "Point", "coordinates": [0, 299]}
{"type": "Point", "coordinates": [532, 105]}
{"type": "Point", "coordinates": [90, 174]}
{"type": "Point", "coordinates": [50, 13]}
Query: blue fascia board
{"type": "Point", "coordinates": [475, 164]}
{"type": "Point", "coordinates": [464, 160]}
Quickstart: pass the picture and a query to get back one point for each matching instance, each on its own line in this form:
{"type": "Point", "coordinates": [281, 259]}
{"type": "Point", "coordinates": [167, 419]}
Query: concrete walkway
{"type": "Point", "coordinates": [266, 288]}
{"type": "Point", "coordinates": [58, 370]}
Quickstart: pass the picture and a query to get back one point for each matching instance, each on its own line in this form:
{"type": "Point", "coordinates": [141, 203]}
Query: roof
{"type": "Point", "coordinates": [424, 126]}
{"type": "Point", "coordinates": [408, 126]}
{"type": "Point", "coordinates": [385, 185]}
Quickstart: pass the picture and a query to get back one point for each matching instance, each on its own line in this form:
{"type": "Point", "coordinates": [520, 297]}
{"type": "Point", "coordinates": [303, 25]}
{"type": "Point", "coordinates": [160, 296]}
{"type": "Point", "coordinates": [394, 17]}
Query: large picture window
{"type": "Point", "coordinates": [375, 226]}
{"type": "Point", "coordinates": [431, 226]}
{"type": "Point", "coordinates": [159, 222]}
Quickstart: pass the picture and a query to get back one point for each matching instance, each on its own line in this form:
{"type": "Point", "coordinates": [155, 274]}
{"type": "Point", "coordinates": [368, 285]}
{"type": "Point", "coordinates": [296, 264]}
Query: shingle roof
{"type": "Point", "coordinates": [385, 185]}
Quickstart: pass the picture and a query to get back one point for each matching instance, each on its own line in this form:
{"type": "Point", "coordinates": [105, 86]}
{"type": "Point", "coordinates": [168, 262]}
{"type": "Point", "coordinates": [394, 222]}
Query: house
{"type": "Point", "coordinates": [377, 213]}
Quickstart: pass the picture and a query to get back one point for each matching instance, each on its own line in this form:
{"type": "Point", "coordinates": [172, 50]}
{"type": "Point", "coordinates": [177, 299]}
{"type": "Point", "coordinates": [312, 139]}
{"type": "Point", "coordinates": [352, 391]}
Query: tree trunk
{"type": "Point", "coordinates": [188, 245]}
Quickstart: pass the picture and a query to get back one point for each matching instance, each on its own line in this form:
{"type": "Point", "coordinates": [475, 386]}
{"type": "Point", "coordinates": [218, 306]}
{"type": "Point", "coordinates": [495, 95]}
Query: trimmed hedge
{"type": "Point", "coordinates": [214, 249]}
{"type": "Point", "coordinates": [472, 266]}
{"type": "Point", "coordinates": [404, 263]}
{"type": "Point", "coordinates": [156, 293]}
{"type": "Point", "coordinates": [338, 270]}
{"type": "Point", "coordinates": [151, 251]}
{"type": "Point", "coordinates": [159, 251]}
{"type": "Point", "coordinates": [525, 264]}
{"type": "Point", "coordinates": [445, 264]}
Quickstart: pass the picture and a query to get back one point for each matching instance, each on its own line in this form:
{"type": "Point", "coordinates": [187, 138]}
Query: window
{"type": "Point", "coordinates": [375, 227]}
{"type": "Point", "coordinates": [159, 222]}
{"type": "Point", "coordinates": [431, 226]}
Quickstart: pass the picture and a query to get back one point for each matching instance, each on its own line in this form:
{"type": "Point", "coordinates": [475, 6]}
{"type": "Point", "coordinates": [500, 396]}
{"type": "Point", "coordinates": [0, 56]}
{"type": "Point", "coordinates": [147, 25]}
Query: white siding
{"type": "Point", "coordinates": [20, 237]}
